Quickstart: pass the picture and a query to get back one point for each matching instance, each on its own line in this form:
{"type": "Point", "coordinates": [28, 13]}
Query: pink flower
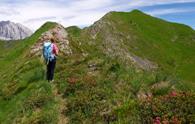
{"type": "Point", "coordinates": [173, 93]}
{"type": "Point", "coordinates": [156, 120]}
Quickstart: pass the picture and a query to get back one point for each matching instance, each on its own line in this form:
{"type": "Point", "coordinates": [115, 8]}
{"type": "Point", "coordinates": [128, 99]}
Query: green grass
{"type": "Point", "coordinates": [154, 40]}
{"type": "Point", "coordinates": [170, 45]}
{"type": "Point", "coordinates": [25, 96]}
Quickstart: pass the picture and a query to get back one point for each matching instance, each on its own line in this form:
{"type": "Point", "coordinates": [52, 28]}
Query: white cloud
{"type": "Point", "coordinates": [158, 12]}
{"type": "Point", "coordinates": [6, 11]}
{"type": "Point", "coordinates": [71, 12]}
{"type": "Point", "coordinates": [140, 3]}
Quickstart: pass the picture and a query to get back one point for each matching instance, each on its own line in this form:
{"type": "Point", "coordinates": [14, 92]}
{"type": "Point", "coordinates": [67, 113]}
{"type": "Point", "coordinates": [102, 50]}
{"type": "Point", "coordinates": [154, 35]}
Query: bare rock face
{"type": "Point", "coordinates": [59, 34]}
{"type": "Point", "coordinates": [13, 31]}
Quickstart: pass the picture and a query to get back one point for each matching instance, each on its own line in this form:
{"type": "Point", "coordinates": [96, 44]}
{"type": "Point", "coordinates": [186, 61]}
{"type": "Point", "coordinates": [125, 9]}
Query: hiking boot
{"type": "Point", "coordinates": [50, 81]}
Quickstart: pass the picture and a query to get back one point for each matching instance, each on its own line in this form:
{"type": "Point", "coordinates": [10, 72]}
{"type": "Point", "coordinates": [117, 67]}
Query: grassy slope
{"type": "Point", "coordinates": [24, 96]}
{"type": "Point", "coordinates": [109, 93]}
{"type": "Point", "coordinates": [170, 45]}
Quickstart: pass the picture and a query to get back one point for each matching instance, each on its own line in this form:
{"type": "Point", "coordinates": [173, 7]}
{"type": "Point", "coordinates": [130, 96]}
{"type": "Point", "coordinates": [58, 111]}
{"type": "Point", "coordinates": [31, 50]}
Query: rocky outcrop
{"type": "Point", "coordinates": [59, 34]}
{"type": "Point", "coordinates": [13, 31]}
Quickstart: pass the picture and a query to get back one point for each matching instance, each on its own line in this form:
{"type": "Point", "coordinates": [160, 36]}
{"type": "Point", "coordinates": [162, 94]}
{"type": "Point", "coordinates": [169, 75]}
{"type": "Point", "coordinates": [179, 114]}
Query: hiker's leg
{"type": "Point", "coordinates": [53, 64]}
{"type": "Point", "coordinates": [48, 71]}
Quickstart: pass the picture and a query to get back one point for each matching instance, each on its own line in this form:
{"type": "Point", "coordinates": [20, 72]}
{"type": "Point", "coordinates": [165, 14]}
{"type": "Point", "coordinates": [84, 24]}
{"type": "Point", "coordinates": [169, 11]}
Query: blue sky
{"type": "Point", "coordinates": [34, 13]}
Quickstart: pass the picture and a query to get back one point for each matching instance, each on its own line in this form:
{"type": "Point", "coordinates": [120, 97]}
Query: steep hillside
{"type": "Point", "coordinates": [145, 40]}
{"type": "Point", "coordinates": [24, 95]}
{"type": "Point", "coordinates": [128, 67]}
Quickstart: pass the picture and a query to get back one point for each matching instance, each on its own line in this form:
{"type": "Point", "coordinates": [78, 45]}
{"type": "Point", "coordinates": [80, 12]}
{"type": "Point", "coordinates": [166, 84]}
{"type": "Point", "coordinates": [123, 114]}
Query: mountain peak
{"type": "Point", "coordinates": [5, 22]}
{"type": "Point", "coordinates": [136, 11]}
{"type": "Point", "coordinates": [50, 23]}
{"type": "Point", "coordinates": [120, 14]}
{"type": "Point", "coordinates": [13, 31]}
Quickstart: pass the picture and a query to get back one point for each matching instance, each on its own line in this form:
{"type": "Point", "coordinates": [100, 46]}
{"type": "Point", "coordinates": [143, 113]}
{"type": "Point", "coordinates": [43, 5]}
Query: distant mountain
{"type": "Point", "coordinates": [13, 31]}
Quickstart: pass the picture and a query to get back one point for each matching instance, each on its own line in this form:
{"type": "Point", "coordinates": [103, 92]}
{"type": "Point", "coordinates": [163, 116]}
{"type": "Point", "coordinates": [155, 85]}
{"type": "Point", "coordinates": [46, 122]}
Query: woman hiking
{"type": "Point", "coordinates": [50, 51]}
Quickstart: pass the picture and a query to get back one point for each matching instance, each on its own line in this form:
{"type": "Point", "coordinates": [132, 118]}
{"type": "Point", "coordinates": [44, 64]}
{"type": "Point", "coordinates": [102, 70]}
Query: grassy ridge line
{"type": "Point", "coordinates": [17, 49]}
{"type": "Point", "coordinates": [170, 45]}
{"type": "Point", "coordinates": [108, 94]}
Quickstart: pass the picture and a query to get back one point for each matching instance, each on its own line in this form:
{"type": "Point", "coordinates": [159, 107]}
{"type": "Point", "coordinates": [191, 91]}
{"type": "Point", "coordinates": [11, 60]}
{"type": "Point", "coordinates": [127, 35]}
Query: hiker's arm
{"type": "Point", "coordinates": [56, 50]}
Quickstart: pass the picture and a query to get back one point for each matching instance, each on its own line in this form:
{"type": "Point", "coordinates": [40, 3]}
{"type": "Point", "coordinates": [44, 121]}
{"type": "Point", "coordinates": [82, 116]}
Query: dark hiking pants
{"type": "Point", "coordinates": [50, 69]}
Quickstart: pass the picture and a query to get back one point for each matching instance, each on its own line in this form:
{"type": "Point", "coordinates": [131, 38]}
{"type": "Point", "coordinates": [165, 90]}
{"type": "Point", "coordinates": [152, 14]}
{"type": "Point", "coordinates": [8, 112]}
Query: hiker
{"type": "Point", "coordinates": [50, 51]}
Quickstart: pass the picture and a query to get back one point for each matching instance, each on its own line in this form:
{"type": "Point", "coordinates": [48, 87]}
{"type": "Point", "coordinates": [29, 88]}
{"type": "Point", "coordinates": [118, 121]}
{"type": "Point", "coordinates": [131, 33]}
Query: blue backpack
{"type": "Point", "coordinates": [47, 51]}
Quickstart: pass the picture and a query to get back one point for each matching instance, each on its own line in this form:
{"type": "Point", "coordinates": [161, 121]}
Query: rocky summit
{"type": "Point", "coordinates": [13, 31]}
